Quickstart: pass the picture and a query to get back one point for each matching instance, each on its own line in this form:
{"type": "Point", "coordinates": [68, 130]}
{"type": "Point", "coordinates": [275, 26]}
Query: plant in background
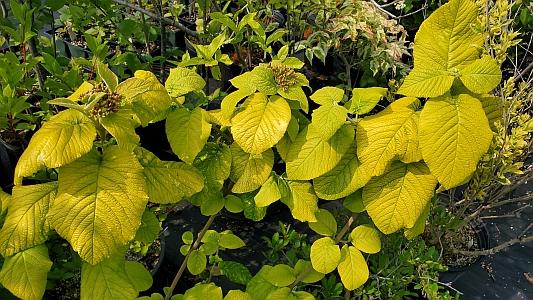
{"type": "Point", "coordinates": [358, 35]}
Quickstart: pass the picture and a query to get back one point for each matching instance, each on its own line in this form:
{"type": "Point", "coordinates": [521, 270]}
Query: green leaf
{"type": "Point", "coordinates": [325, 255]}
{"type": "Point", "coordinates": [181, 81]}
{"type": "Point", "coordinates": [396, 199]}
{"type": "Point", "coordinates": [187, 132]}
{"type": "Point", "coordinates": [258, 287]}
{"type": "Point", "coordinates": [168, 181]}
{"type": "Point", "coordinates": [390, 134]}
{"type": "Point", "coordinates": [26, 224]}
{"type": "Point", "coordinates": [325, 223]}
{"type": "Point", "coordinates": [261, 124]}
{"type": "Point", "coordinates": [310, 156]}
{"type": "Point", "coordinates": [5, 201]}
{"type": "Point", "coordinates": [187, 237]}
{"type": "Point", "coordinates": [203, 291]}
{"type": "Point", "coordinates": [269, 192]}
{"type": "Point", "coordinates": [149, 229]}
{"type": "Point", "coordinates": [344, 179]}
{"type": "Point", "coordinates": [354, 202]}
{"type": "Point", "coordinates": [283, 293]}
{"type": "Point", "coordinates": [197, 262]}
{"type": "Point", "coordinates": [249, 171]}
{"type": "Point", "coordinates": [328, 96]}
{"type": "Point", "coordinates": [138, 275]}
{"type": "Point", "coordinates": [147, 95]}
{"type": "Point", "coordinates": [230, 241]}
{"type": "Point", "coordinates": [106, 280]}
{"type": "Point", "coordinates": [237, 295]}
{"type": "Point", "coordinates": [454, 134]}
{"type": "Point", "coordinates": [66, 137]}
{"type": "Point", "coordinates": [263, 80]}
{"type": "Point", "coordinates": [420, 224]}
{"type": "Point", "coordinates": [280, 275]}
{"type": "Point", "coordinates": [482, 75]}
{"type": "Point", "coordinates": [233, 204]}
{"type": "Point", "coordinates": [366, 238]}
{"type": "Point", "coordinates": [437, 58]}
{"type": "Point", "coordinates": [352, 268]}
{"type": "Point", "coordinates": [214, 161]}
{"type": "Point", "coordinates": [107, 76]}
{"type": "Point", "coordinates": [210, 199]}
{"type": "Point", "coordinates": [121, 125]}
{"type": "Point", "coordinates": [251, 211]}
{"type": "Point", "coordinates": [300, 198]}
{"type": "Point", "coordinates": [24, 274]}
{"type": "Point", "coordinates": [235, 272]}
{"type": "Point", "coordinates": [296, 93]}
{"type": "Point", "coordinates": [100, 202]}
{"type": "Point", "coordinates": [327, 119]}
{"type": "Point", "coordinates": [365, 99]}
{"type": "Point", "coordinates": [310, 276]}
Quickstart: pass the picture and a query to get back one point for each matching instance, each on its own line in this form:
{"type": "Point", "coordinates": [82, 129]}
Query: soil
{"type": "Point", "coordinates": [67, 289]}
{"type": "Point", "coordinates": [467, 240]}
{"type": "Point", "coordinates": [151, 259]}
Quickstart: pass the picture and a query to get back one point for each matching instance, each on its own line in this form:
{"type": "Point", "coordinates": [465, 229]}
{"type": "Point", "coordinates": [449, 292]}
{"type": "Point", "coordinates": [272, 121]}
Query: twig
{"type": "Point", "coordinates": [164, 20]}
{"type": "Point", "coordinates": [383, 10]}
{"type": "Point", "coordinates": [524, 72]}
{"type": "Point", "coordinates": [519, 240]}
{"type": "Point", "coordinates": [194, 246]}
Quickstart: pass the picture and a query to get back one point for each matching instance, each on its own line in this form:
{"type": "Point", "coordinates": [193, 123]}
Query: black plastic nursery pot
{"type": "Point", "coordinates": [9, 155]}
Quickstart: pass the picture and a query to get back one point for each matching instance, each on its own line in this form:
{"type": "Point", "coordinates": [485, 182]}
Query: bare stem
{"type": "Point", "coordinates": [194, 246]}
{"type": "Point", "coordinates": [518, 240]}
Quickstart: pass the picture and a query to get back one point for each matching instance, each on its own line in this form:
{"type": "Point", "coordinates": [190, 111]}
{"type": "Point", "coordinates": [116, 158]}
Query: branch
{"type": "Point", "coordinates": [383, 10]}
{"type": "Point", "coordinates": [164, 20]}
{"type": "Point", "coordinates": [523, 73]}
{"type": "Point", "coordinates": [194, 246]}
{"type": "Point", "coordinates": [519, 240]}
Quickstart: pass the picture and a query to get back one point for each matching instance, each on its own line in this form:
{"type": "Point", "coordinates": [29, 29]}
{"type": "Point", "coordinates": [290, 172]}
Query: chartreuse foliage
{"type": "Point", "coordinates": [105, 182]}
{"type": "Point", "coordinates": [387, 164]}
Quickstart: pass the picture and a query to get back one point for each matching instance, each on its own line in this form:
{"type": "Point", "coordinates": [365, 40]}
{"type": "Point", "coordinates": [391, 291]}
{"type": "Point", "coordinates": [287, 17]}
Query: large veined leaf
{"type": "Point", "coordinates": [454, 134]}
{"type": "Point", "coordinates": [181, 81]}
{"type": "Point", "coordinates": [66, 137]}
{"type": "Point", "coordinates": [493, 107]}
{"type": "Point", "coordinates": [24, 274]}
{"type": "Point", "coordinates": [345, 178]}
{"type": "Point", "coordinates": [296, 93]}
{"type": "Point", "coordinates": [261, 124]}
{"type": "Point", "coordinates": [187, 132]}
{"type": "Point", "coordinates": [106, 280]}
{"type": "Point", "coordinates": [325, 255]}
{"type": "Point", "coordinates": [310, 156]}
{"type": "Point", "coordinates": [420, 224]}
{"type": "Point", "coordinates": [300, 198]}
{"type": "Point", "coordinates": [5, 200]}
{"type": "Point", "coordinates": [168, 181]}
{"type": "Point", "coordinates": [100, 201]}
{"type": "Point", "coordinates": [328, 95]}
{"type": "Point", "coordinates": [327, 119]}
{"type": "Point", "coordinates": [203, 291]}
{"type": "Point", "coordinates": [482, 75]}
{"type": "Point", "coordinates": [446, 40]}
{"type": "Point", "coordinates": [352, 268]}
{"type": "Point", "coordinates": [26, 224]}
{"type": "Point", "coordinates": [122, 125]}
{"type": "Point", "coordinates": [148, 96]}
{"type": "Point", "coordinates": [390, 134]}
{"type": "Point", "coordinates": [250, 171]}
{"type": "Point", "coordinates": [365, 99]}
{"type": "Point", "coordinates": [397, 198]}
